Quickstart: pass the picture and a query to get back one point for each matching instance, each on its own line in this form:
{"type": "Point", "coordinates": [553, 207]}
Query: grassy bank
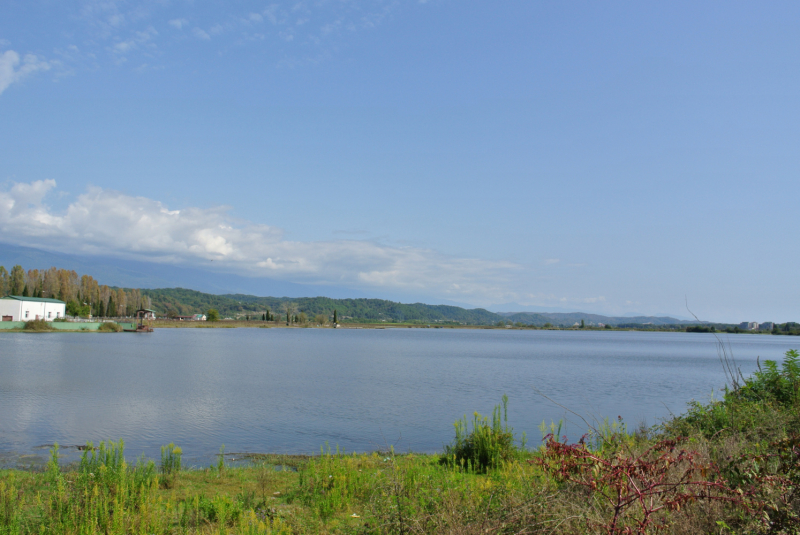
{"type": "Point", "coordinates": [727, 466]}
{"type": "Point", "coordinates": [42, 326]}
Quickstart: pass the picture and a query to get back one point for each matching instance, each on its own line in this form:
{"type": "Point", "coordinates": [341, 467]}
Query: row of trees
{"type": "Point", "coordinates": [291, 315]}
{"type": "Point", "coordinates": [82, 293]}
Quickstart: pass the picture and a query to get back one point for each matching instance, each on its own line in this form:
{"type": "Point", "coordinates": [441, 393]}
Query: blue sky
{"type": "Point", "coordinates": [610, 157]}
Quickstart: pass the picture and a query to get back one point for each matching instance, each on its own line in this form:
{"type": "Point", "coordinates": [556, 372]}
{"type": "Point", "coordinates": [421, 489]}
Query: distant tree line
{"type": "Point", "coordinates": [82, 294]}
{"type": "Point", "coordinates": [790, 328]}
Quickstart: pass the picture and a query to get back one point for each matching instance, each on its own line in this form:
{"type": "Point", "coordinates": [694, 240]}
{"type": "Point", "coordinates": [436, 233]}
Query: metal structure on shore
{"type": "Point", "coordinates": [141, 315]}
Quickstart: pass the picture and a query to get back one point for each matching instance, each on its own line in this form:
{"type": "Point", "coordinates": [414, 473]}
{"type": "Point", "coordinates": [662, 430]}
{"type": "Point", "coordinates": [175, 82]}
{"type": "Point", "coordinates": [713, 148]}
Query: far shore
{"type": "Point", "coordinates": [164, 323]}
{"type": "Point", "coordinates": [233, 324]}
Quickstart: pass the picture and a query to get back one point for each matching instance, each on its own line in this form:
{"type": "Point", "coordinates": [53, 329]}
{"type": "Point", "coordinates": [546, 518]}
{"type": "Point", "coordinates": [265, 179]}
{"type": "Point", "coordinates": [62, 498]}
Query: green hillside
{"type": "Point", "coordinates": [182, 302]}
{"type": "Point", "coordinates": [179, 301]}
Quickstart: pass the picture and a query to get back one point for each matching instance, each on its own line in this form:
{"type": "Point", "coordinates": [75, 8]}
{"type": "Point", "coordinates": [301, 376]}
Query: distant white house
{"type": "Point", "coordinates": [18, 308]}
{"type": "Point", "coordinates": [199, 317]}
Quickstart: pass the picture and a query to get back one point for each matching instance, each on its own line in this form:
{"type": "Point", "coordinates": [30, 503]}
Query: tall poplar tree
{"type": "Point", "coordinates": [4, 282]}
{"type": "Point", "coordinates": [17, 280]}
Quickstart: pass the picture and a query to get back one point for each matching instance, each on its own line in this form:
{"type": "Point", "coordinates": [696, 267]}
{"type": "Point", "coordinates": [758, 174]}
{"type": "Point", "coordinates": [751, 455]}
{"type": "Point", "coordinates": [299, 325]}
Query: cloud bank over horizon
{"type": "Point", "coordinates": [107, 222]}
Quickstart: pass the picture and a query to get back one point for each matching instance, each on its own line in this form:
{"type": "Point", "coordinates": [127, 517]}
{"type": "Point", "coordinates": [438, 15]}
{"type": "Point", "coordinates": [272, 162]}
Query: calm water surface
{"type": "Point", "coordinates": [292, 390]}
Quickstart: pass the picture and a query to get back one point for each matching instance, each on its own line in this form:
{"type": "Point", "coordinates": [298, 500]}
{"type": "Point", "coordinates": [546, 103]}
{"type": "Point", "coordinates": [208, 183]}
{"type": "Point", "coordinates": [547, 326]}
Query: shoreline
{"type": "Point", "coordinates": [485, 480]}
{"type": "Point", "coordinates": [93, 327]}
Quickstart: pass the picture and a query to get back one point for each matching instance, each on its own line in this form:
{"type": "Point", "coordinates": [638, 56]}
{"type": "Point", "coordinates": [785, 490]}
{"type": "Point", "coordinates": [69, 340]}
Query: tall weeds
{"type": "Point", "coordinates": [486, 445]}
{"type": "Point", "coordinates": [170, 465]}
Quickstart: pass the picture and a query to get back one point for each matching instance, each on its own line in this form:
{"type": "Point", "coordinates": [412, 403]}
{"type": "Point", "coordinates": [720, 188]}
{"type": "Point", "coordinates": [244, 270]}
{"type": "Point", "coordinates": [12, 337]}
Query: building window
{"type": "Point", "coordinates": [26, 314]}
{"type": "Point", "coordinates": [49, 315]}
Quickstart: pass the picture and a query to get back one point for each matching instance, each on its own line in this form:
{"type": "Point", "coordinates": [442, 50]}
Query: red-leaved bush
{"type": "Point", "coordinates": [636, 487]}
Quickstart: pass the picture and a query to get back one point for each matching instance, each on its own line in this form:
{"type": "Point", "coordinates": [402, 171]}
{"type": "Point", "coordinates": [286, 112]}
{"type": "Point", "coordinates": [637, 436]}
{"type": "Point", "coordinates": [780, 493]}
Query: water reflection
{"type": "Point", "coordinates": [292, 390]}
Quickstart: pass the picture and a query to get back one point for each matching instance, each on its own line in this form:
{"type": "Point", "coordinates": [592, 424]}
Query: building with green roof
{"type": "Point", "coordinates": [19, 308]}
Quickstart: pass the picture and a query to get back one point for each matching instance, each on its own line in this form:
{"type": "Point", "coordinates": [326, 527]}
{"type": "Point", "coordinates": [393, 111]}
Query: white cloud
{"type": "Point", "coordinates": [138, 39]}
{"type": "Point", "coordinates": [113, 30]}
{"type": "Point", "coordinates": [201, 34]}
{"type": "Point", "coordinates": [116, 20]}
{"type": "Point", "coordinates": [13, 70]}
{"type": "Point", "coordinates": [598, 299]}
{"type": "Point", "coordinates": [112, 223]}
{"type": "Point", "coordinates": [124, 46]}
{"type": "Point", "coordinates": [178, 23]}
{"type": "Point", "coordinates": [271, 13]}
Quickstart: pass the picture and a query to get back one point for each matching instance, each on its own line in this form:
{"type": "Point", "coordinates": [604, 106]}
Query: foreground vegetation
{"type": "Point", "coordinates": [728, 466]}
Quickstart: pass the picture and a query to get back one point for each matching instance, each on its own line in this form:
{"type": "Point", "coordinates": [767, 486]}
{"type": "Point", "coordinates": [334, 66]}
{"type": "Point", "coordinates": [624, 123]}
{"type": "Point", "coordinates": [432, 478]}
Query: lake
{"type": "Point", "coordinates": [293, 390]}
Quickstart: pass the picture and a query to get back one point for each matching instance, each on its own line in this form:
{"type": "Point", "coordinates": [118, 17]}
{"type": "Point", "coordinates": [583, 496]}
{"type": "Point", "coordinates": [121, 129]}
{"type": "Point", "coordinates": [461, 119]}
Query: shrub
{"type": "Point", "coordinates": [762, 406]}
{"type": "Point", "coordinates": [37, 325]}
{"type": "Point", "coordinates": [774, 475]}
{"type": "Point", "coordinates": [772, 384]}
{"type": "Point", "coordinates": [632, 491]}
{"type": "Point", "coordinates": [110, 326]}
{"type": "Point", "coordinates": [486, 446]}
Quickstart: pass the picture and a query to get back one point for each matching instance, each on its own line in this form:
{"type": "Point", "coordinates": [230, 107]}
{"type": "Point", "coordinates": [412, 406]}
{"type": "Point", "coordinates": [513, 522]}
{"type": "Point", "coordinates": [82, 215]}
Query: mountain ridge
{"type": "Point", "coordinates": [182, 301]}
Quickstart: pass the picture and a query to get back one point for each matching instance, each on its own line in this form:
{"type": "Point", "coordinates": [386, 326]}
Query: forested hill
{"type": "Point", "coordinates": [182, 302]}
{"type": "Point", "coordinates": [84, 296]}
{"type": "Point", "coordinates": [179, 301]}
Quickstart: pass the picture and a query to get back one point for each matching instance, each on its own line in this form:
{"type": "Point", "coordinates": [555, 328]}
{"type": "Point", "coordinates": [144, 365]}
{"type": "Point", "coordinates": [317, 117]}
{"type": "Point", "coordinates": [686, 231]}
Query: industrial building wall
{"type": "Point", "coordinates": [10, 307]}
{"type": "Point", "coordinates": [30, 310]}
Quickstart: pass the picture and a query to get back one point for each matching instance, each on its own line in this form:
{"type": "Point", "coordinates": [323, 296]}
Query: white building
{"type": "Point", "coordinates": [17, 308]}
{"type": "Point", "coordinates": [146, 313]}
